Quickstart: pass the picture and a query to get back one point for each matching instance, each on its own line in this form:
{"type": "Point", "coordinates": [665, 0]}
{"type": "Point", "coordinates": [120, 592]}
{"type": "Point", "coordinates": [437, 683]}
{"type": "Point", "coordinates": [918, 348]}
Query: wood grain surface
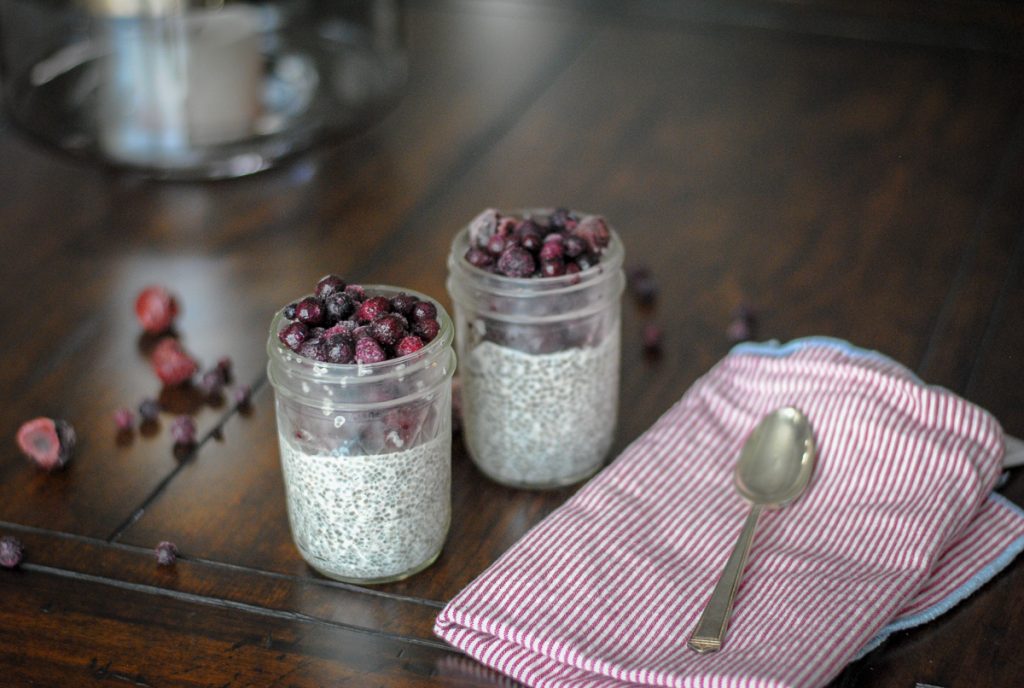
{"type": "Point", "coordinates": [844, 169]}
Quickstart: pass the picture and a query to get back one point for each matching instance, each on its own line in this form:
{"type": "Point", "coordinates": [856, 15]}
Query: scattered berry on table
{"type": "Point", "coordinates": [47, 442]}
{"type": "Point", "coordinates": [743, 326]}
{"type": "Point", "coordinates": [242, 395]}
{"type": "Point", "coordinates": [171, 363]}
{"type": "Point", "coordinates": [183, 431]}
{"type": "Point", "coordinates": [166, 553]}
{"type": "Point", "coordinates": [12, 553]}
{"type": "Point", "coordinates": [124, 419]}
{"type": "Point", "coordinates": [211, 383]}
{"type": "Point", "coordinates": [149, 410]}
{"type": "Point", "coordinates": [642, 285]}
{"type": "Point", "coordinates": [155, 309]}
{"type": "Point", "coordinates": [652, 337]}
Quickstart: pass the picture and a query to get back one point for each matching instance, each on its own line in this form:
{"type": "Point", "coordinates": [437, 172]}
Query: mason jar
{"type": "Point", "coordinates": [366, 455]}
{"type": "Point", "coordinates": [539, 367]}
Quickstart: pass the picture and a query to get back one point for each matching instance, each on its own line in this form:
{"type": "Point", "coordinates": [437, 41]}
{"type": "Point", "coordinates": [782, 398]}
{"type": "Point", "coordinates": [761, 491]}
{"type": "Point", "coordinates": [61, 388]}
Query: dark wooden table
{"type": "Point", "coordinates": [846, 169]}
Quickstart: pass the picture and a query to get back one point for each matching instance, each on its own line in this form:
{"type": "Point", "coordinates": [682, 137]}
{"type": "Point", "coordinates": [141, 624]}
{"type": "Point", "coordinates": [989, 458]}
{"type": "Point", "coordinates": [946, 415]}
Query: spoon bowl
{"type": "Point", "coordinates": [774, 468]}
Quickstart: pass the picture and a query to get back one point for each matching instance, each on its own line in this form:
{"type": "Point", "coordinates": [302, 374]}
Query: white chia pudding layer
{"type": "Point", "coordinates": [539, 420]}
{"type": "Point", "coordinates": [369, 518]}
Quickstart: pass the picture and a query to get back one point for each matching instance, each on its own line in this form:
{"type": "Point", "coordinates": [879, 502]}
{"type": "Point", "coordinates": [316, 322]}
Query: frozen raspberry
{"type": "Point", "coordinates": [479, 258]}
{"type": "Point", "coordinates": [338, 349]}
{"type": "Point", "coordinates": [651, 337]}
{"type": "Point", "coordinates": [593, 230]}
{"type": "Point", "coordinates": [388, 329]}
{"type": "Point", "coordinates": [403, 304]}
{"type": "Point", "coordinates": [516, 262]}
{"type": "Point", "coordinates": [124, 419]}
{"type": "Point", "coordinates": [49, 443]}
{"type": "Point", "coordinates": [242, 396]}
{"type": "Point", "coordinates": [552, 268]}
{"type": "Point", "coordinates": [373, 309]}
{"type": "Point", "coordinates": [356, 292]}
{"type": "Point", "coordinates": [408, 345]}
{"type": "Point", "coordinates": [424, 310]}
{"type": "Point", "coordinates": [552, 250]}
{"type": "Point", "coordinates": [156, 309]}
{"type": "Point", "coordinates": [149, 410]}
{"type": "Point", "coordinates": [183, 431]}
{"type": "Point", "coordinates": [289, 310]}
{"type": "Point", "coordinates": [166, 553]}
{"type": "Point", "coordinates": [170, 362]}
{"type": "Point", "coordinates": [340, 306]}
{"type": "Point", "coordinates": [331, 284]}
{"type": "Point", "coordinates": [11, 552]}
{"type": "Point", "coordinates": [369, 351]}
{"type": "Point", "coordinates": [426, 329]}
{"type": "Point", "coordinates": [310, 311]}
{"type": "Point", "coordinates": [574, 246]}
{"type": "Point", "coordinates": [293, 335]}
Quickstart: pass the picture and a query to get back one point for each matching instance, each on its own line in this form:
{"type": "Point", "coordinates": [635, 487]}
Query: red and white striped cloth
{"type": "Point", "coordinates": [898, 524]}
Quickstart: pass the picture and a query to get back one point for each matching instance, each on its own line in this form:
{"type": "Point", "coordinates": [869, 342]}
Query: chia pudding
{"type": "Point", "coordinates": [362, 387]}
{"type": "Point", "coordinates": [523, 405]}
{"type": "Point", "coordinates": [371, 517]}
{"type": "Point", "coordinates": [537, 300]}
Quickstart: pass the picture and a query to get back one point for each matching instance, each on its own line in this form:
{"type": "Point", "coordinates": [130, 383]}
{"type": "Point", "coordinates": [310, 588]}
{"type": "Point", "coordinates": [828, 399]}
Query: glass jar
{"type": "Point", "coordinates": [539, 367]}
{"type": "Point", "coordinates": [191, 89]}
{"type": "Point", "coordinates": [366, 455]}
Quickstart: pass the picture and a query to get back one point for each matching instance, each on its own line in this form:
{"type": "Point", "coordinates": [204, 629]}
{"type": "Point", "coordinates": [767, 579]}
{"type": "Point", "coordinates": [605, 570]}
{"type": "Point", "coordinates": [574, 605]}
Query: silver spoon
{"type": "Point", "coordinates": [775, 465]}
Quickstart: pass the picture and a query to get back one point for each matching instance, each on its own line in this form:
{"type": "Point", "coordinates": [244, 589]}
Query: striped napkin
{"type": "Point", "coordinates": [898, 524]}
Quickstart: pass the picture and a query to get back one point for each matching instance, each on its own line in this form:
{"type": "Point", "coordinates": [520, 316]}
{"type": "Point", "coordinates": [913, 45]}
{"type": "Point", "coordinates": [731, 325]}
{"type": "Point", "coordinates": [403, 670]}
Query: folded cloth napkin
{"type": "Point", "coordinates": [898, 524]}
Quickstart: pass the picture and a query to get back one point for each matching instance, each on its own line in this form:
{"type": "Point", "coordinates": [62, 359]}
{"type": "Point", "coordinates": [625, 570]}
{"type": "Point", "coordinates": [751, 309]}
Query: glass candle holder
{"type": "Point", "coordinates": [539, 362]}
{"type": "Point", "coordinates": [366, 455]}
{"type": "Point", "coordinates": [195, 89]}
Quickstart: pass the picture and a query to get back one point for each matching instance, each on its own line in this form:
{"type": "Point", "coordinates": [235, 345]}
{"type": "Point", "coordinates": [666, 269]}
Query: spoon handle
{"type": "Point", "coordinates": [710, 630]}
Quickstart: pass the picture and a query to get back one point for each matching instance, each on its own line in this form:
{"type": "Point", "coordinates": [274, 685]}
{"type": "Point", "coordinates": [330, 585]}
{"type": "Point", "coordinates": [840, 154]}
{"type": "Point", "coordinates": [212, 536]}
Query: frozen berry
{"type": "Point", "coordinates": [361, 332]}
{"type": "Point", "coordinates": [651, 337]}
{"type": "Point", "coordinates": [170, 362]}
{"type": "Point", "coordinates": [49, 443]}
{"type": "Point", "coordinates": [242, 395]}
{"type": "Point", "coordinates": [124, 419]}
{"type": "Point", "coordinates": [642, 286]}
{"type": "Point", "coordinates": [424, 310]}
{"type": "Point", "coordinates": [574, 246]}
{"type": "Point", "coordinates": [310, 311]}
{"type": "Point", "coordinates": [563, 218]}
{"type": "Point", "coordinates": [495, 245]}
{"type": "Point", "coordinates": [482, 227]}
{"type": "Point", "coordinates": [369, 351]}
{"type": "Point", "coordinates": [346, 328]}
{"type": "Point", "coordinates": [387, 329]}
{"type": "Point", "coordinates": [408, 345]}
{"type": "Point", "coordinates": [211, 383]}
{"type": "Point", "coordinates": [552, 250]}
{"type": "Point", "coordinates": [338, 349]}
{"type": "Point", "coordinates": [530, 235]}
{"type": "Point", "coordinates": [340, 306]}
{"type": "Point", "coordinates": [11, 552]}
{"type": "Point", "coordinates": [479, 258]}
{"type": "Point", "coordinates": [373, 309]}
{"type": "Point", "coordinates": [293, 335]}
{"type": "Point", "coordinates": [552, 268]}
{"type": "Point", "coordinates": [331, 284]}
{"type": "Point", "coordinates": [183, 431]}
{"type": "Point", "coordinates": [426, 329]}
{"type": "Point", "coordinates": [593, 230]}
{"type": "Point", "coordinates": [166, 553]}
{"type": "Point", "coordinates": [403, 304]}
{"type": "Point", "coordinates": [356, 292]}
{"type": "Point", "coordinates": [313, 348]}
{"type": "Point", "coordinates": [156, 309]}
{"type": "Point", "coordinates": [517, 262]}
{"type": "Point", "coordinates": [289, 310]}
{"type": "Point", "coordinates": [149, 410]}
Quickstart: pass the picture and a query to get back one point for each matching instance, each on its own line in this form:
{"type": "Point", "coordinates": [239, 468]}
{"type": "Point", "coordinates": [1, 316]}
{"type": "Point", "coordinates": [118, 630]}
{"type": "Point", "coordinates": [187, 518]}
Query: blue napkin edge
{"type": "Point", "coordinates": [777, 349]}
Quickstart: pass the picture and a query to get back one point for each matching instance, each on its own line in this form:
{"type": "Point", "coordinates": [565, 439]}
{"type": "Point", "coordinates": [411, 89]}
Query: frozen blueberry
{"type": "Point", "coordinates": [403, 304]}
{"type": "Point", "coordinates": [530, 235]}
{"type": "Point", "coordinates": [293, 335]}
{"type": "Point", "coordinates": [11, 552]}
{"type": "Point", "coordinates": [479, 258]}
{"type": "Point", "coordinates": [552, 268]}
{"type": "Point", "coordinates": [495, 245]}
{"type": "Point", "coordinates": [340, 306]}
{"type": "Point", "coordinates": [424, 310]}
{"type": "Point", "coordinates": [356, 292]}
{"type": "Point", "coordinates": [369, 351]}
{"type": "Point", "coordinates": [331, 284]}
{"type": "Point", "coordinates": [373, 309]}
{"type": "Point", "coordinates": [211, 383]}
{"type": "Point", "coordinates": [562, 218]}
{"type": "Point", "coordinates": [338, 349]}
{"type": "Point", "coordinates": [310, 311]}
{"type": "Point", "coordinates": [517, 262]}
{"type": "Point", "coordinates": [346, 328]}
{"type": "Point", "coordinates": [642, 286]}
{"type": "Point", "coordinates": [166, 554]}
{"type": "Point", "coordinates": [289, 310]}
{"type": "Point", "coordinates": [388, 329]}
{"type": "Point", "coordinates": [574, 246]}
{"type": "Point", "coordinates": [149, 410]}
{"type": "Point", "coordinates": [426, 329]}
